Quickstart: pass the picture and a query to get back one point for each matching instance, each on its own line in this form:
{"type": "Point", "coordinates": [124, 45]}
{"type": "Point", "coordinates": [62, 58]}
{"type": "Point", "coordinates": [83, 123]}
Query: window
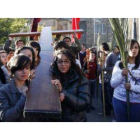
{"type": "Point", "coordinates": [103, 28]}
{"type": "Point", "coordinates": [99, 28]}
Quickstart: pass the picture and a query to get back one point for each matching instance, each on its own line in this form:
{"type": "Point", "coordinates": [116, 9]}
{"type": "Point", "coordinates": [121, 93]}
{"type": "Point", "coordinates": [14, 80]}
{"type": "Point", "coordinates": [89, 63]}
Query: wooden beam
{"type": "Point", "coordinates": [43, 97]}
{"type": "Point", "coordinates": [60, 32]}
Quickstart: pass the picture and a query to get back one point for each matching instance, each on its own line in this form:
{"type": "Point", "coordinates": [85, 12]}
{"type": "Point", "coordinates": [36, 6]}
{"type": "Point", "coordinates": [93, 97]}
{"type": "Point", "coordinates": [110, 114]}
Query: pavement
{"type": "Point", "coordinates": [93, 115]}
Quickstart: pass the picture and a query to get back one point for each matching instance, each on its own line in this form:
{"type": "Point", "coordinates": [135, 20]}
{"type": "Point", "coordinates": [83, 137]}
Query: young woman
{"type": "Point", "coordinates": [90, 69]}
{"type": "Point", "coordinates": [3, 57]}
{"type": "Point", "coordinates": [62, 46]}
{"type": "Point", "coordinates": [13, 95]}
{"type": "Point", "coordinates": [73, 87]}
{"type": "Point", "coordinates": [120, 86]}
{"type": "Point", "coordinates": [4, 74]}
{"type": "Point", "coordinates": [36, 47]}
{"type": "Point", "coordinates": [29, 52]}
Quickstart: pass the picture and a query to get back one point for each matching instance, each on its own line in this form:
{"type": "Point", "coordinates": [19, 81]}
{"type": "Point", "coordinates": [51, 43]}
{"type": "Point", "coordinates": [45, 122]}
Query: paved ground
{"type": "Point", "coordinates": [93, 115]}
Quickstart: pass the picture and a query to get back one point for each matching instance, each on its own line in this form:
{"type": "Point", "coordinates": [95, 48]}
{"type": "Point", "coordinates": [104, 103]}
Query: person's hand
{"type": "Point", "coordinates": [32, 74]}
{"type": "Point", "coordinates": [124, 72]}
{"type": "Point", "coordinates": [24, 90]}
{"type": "Point", "coordinates": [127, 86]}
{"type": "Point", "coordinates": [74, 35]}
{"type": "Point", "coordinates": [62, 97]}
{"type": "Point", "coordinates": [57, 83]}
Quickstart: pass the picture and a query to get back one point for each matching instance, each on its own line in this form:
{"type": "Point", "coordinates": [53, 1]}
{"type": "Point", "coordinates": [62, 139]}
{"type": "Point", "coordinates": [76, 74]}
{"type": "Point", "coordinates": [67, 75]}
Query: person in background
{"type": "Point", "coordinates": [18, 44]}
{"type": "Point", "coordinates": [4, 74]}
{"type": "Point", "coordinates": [29, 52]}
{"type": "Point", "coordinates": [74, 47]}
{"type": "Point", "coordinates": [110, 60]}
{"type": "Point", "coordinates": [73, 87]}
{"type": "Point", "coordinates": [36, 47]}
{"type": "Point", "coordinates": [118, 82]}
{"type": "Point", "coordinates": [60, 46]}
{"type": "Point", "coordinates": [3, 57]}
{"type": "Point", "coordinates": [117, 52]}
{"type": "Point", "coordinates": [13, 94]}
{"type": "Point", "coordinates": [82, 55]}
{"type": "Point", "coordinates": [90, 69]}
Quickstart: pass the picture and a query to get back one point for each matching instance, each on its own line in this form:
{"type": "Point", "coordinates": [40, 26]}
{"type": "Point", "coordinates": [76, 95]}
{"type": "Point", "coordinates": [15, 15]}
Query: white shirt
{"type": "Point", "coordinates": [118, 81]}
{"type": "Point", "coordinates": [78, 63]}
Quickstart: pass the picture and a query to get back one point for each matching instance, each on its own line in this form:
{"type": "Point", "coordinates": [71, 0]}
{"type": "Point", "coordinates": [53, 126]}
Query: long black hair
{"type": "Point", "coordinates": [105, 46]}
{"type": "Point", "coordinates": [137, 59]}
{"type": "Point", "coordinates": [74, 66]}
{"type": "Point", "coordinates": [2, 76]}
{"type": "Point", "coordinates": [18, 51]}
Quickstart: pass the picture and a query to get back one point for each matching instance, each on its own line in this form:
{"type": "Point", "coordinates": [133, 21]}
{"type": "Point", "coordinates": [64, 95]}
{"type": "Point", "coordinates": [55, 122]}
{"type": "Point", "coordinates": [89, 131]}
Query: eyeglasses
{"type": "Point", "coordinates": [60, 62]}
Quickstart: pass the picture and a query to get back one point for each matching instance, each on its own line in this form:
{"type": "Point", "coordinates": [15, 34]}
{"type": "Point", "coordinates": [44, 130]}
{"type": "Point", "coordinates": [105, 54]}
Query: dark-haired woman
{"type": "Point", "coordinates": [13, 95]}
{"type": "Point", "coordinates": [73, 87]}
{"type": "Point", "coordinates": [62, 46]}
{"type": "Point", "coordinates": [29, 52]}
{"type": "Point", "coordinates": [36, 47]}
{"type": "Point", "coordinates": [4, 74]}
{"type": "Point", "coordinates": [120, 86]}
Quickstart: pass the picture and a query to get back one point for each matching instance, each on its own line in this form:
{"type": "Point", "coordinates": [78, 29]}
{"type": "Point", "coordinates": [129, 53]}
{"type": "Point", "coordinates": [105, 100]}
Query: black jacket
{"type": "Point", "coordinates": [6, 47]}
{"type": "Point", "coordinates": [11, 103]}
{"type": "Point", "coordinates": [77, 98]}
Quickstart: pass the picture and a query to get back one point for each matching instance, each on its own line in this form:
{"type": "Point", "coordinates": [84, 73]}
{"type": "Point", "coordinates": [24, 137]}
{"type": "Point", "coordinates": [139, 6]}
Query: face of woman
{"type": "Point", "coordinates": [36, 52]}
{"type": "Point", "coordinates": [92, 56]}
{"type": "Point", "coordinates": [28, 53]}
{"type": "Point", "coordinates": [22, 75]}
{"type": "Point", "coordinates": [63, 63]}
{"type": "Point", "coordinates": [3, 58]}
{"type": "Point", "coordinates": [133, 52]}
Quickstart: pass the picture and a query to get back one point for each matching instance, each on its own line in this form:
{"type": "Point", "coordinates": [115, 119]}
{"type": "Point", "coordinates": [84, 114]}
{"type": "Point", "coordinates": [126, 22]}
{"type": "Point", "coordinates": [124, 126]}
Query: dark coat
{"type": "Point", "coordinates": [77, 98]}
{"type": "Point", "coordinates": [6, 47]}
{"type": "Point", "coordinates": [11, 103]}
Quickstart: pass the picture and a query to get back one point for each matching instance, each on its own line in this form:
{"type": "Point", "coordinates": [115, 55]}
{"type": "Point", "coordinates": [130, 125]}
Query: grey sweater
{"type": "Point", "coordinates": [110, 62]}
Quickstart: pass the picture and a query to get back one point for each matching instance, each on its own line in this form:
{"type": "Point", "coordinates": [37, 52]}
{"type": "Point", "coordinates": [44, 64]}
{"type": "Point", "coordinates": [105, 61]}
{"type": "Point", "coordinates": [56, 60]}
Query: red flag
{"type": "Point", "coordinates": [35, 24]}
{"type": "Point", "coordinates": [75, 25]}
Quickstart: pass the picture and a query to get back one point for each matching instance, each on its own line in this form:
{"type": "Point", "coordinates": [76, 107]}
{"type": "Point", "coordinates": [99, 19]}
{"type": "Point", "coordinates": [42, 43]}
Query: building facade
{"type": "Point", "coordinates": [96, 30]}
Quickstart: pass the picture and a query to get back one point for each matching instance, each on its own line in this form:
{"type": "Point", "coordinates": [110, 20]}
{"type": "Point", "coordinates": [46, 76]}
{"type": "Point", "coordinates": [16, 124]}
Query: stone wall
{"type": "Point", "coordinates": [56, 23]}
{"type": "Point", "coordinates": [87, 24]}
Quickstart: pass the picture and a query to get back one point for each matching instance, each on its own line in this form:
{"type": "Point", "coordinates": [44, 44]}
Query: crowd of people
{"type": "Point", "coordinates": [79, 73]}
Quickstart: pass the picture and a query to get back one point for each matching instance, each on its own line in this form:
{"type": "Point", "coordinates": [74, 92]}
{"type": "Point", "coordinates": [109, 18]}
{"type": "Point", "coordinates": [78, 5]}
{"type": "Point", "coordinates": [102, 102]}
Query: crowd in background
{"type": "Point", "coordinates": [79, 73]}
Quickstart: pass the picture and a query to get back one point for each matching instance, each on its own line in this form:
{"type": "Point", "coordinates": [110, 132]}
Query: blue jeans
{"type": "Point", "coordinates": [120, 111]}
